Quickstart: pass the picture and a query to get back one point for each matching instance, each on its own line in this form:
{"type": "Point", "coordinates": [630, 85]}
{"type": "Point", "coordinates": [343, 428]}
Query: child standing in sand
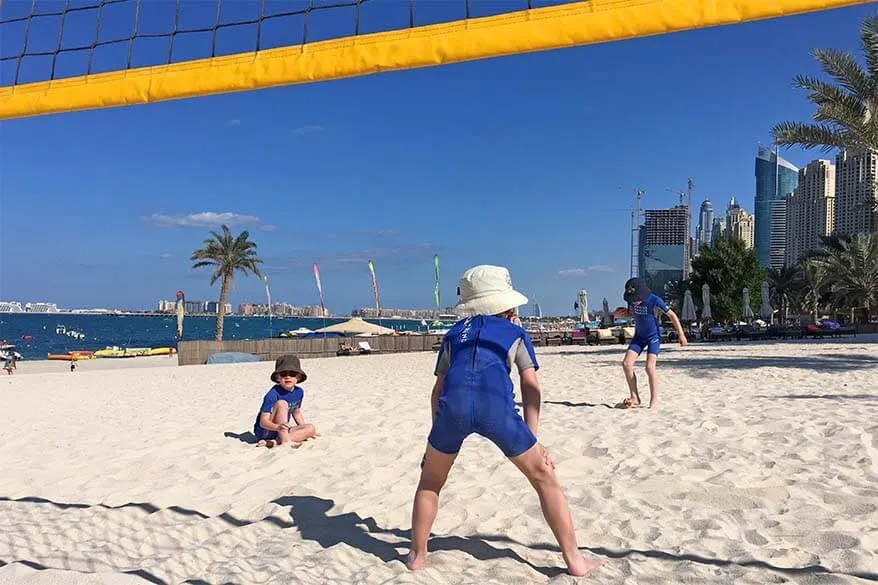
{"type": "Point", "coordinates": [281, 404]}
{"type": "Point", "coordinates": [473, 393]}
{"type": "Point", "coordinates": [643, 304]}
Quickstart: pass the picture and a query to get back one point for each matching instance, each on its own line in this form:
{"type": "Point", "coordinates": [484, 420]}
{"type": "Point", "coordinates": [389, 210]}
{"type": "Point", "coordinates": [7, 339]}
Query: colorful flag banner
{"type": "Point", "coordinates": [375, 289]}
{"type": "Point", "coordinates": [319, 290]}
{"type": "Point", "coordinates": [436, 287]}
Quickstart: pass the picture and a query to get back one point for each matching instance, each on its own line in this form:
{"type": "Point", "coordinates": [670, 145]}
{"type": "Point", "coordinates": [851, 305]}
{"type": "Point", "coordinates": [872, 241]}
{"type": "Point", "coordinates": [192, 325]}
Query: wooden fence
{"type": "Point", "coordinates": [197, 352]}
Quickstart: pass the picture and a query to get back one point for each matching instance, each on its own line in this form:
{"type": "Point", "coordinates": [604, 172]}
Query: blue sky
{"type": "Point", "coordinates": [527, 161]}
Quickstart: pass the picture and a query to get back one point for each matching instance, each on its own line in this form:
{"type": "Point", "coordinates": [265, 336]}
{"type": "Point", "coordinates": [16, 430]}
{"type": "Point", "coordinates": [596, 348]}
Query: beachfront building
{"type": "Point", "coordinates": [167, 306]}
{"type": "Point", "coordinates": [41, 308]}
{"type": "Point", "coordinates": [739, 224]}
{"type": "Point", "coordinates": [372, 313]}
{"type": "Point", "coordinates": [281, 310]}
{"type": "Point", "coordinates": [856, 192]}
{"type": "Point", "coordinates": [810, 210]}
{"type": "Point", "coordinates": [11, 307]}
{"type": "Point", "coordinates": [775, 179]}
{"type": "Point", "coordinates": [212, 307]}
{"type": "Point", "coordinates": [664, 246]}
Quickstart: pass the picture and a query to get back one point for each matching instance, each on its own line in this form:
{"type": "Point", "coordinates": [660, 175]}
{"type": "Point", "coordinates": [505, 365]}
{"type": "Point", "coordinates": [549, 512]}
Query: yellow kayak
{"type": "Point", "coordinates": [162, 351]}
{"type": "Point", "coordinates": [110, 352]}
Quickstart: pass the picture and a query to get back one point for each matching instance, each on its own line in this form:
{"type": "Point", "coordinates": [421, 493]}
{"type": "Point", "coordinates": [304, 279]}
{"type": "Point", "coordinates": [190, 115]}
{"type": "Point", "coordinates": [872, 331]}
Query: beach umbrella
{"type": "Point", "coordinates": [582, 305]}
{"type": "Point", "coordinates": [748, 312]}
{"type": "Point", "coordinates": [356, 326]}
{"type": "Point", "coordinates": [180, 309]}
{"type": "Point", "coordinates": [687, 313]}
{"type": "Point", "coordinates": [766, 303]}
{"type": "Point", "coordinates": [705, 300]}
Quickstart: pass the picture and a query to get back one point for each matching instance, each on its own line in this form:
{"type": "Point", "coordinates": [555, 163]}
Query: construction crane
{"type": "Point", "coordinates": [684, 199]}
{"type": "Point", "coordinates": [635, 233]}
{"type": "Point", "coordinates": [635, 214]}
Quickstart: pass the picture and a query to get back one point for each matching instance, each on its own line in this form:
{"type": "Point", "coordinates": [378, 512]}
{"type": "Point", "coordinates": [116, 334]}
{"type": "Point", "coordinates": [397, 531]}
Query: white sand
{"type": "Point", "coordinates": [761, 464]}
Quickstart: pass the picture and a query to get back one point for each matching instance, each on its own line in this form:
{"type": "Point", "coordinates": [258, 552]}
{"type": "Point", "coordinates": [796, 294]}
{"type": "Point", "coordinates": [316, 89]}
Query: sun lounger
{"type": "Point", "coordinates": [602, 336]}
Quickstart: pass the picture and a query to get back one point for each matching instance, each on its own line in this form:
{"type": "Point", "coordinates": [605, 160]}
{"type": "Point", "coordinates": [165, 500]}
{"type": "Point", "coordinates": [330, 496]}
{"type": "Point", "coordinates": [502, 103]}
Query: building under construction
{"type": "Point", "coordinates": [664, 246]}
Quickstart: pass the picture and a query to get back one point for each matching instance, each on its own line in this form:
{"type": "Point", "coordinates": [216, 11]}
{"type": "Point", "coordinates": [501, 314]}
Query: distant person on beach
{"type": "Point", "coordinates": [9, 364]}
{"type": "Point", "coordinates": [282, 404]}
{"type": "Point", "coordinates": [72, 365]}
{"type": "Point", "coordinates": [644, 304]}
{"type": "Point", "coordinates": [473, 393]}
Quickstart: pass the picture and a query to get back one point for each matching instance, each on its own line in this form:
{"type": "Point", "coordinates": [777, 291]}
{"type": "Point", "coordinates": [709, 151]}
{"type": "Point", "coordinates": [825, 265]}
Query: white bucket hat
{"type": "Point", "coordinates": [487, 290]}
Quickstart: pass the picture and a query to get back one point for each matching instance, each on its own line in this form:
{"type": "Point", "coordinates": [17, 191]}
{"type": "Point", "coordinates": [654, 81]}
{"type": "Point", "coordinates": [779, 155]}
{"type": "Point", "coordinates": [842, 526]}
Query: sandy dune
{"type": "Point", "coordinates": [760, 467]}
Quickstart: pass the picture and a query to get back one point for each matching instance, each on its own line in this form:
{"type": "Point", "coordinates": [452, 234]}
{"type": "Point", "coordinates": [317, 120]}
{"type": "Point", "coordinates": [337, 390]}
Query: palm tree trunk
{"type": "Point", "coordinates": [221, 310]}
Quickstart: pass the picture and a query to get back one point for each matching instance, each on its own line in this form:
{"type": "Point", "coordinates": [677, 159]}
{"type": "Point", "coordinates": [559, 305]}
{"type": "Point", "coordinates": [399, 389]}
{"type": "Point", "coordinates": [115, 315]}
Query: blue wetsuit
{"type": "Point", "coordinates": [476, 358]}
{"type": "Point", "coordinates": [277, 393]}
{"type": "Point", "coordinates": [646, 326]}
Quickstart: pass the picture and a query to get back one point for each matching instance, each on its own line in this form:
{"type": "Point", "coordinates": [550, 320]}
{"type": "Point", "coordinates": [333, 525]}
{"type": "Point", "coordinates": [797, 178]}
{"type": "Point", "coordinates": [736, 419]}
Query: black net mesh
{"type": "Point", "coordinates": [43, 40]}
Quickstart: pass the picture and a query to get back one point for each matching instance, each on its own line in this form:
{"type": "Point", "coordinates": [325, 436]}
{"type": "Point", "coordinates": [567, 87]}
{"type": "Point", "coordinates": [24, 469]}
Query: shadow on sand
{"type": "Point", "coordinates": [309, 514]}
{"type": "Point", "coordinates": [245, 437]}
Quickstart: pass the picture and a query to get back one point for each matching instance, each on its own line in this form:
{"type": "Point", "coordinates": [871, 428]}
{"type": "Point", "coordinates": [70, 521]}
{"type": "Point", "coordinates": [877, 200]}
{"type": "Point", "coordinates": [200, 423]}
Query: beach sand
{"type": "Point", "coordinates": [760, 467]}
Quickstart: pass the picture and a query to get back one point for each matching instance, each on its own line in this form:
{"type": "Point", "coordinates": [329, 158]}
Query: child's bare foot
{"type": "Point", "coordinates": [414, 561]}
{"type": "Point", "coordinates": [295, 444]}
{"type": "Point", "coordinates": [581, 566]}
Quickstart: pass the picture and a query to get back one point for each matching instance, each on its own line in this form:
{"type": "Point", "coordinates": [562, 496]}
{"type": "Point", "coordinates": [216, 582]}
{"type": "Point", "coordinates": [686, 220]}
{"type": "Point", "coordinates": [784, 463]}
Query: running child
{"type": "Point", "coordinates": [644, 304]}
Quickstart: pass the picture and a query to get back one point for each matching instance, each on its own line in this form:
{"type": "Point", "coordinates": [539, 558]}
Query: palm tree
{"type": "Point", "coordinates": [846, 115]}
{"type": "Point", "coordinates": [786, 285]}
{"type": "Point", "coordinates": [851, 273]}
{"type": "Point", "coordinates": [226, 254]}
{"type": "Point", "coordinates": [814, 273]}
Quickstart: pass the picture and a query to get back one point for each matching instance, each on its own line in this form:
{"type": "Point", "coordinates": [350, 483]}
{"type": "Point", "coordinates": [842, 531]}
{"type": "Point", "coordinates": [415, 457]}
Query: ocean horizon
{"type": "Point", "coordinates": [34, 334]}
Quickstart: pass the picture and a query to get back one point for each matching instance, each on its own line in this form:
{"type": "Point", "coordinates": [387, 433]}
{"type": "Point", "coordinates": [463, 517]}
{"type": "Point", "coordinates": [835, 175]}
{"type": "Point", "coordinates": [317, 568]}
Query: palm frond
{"type": "Point", "coordinates": [809, 136]}
{"type": "Point", "coordinates": [843, 67]}
{"type": "Point", "coordinates": [824, 92]}
{"type": "Point", "coordinates": [869, 44]}
{"type": "Point", "coordinates": [203, 263]}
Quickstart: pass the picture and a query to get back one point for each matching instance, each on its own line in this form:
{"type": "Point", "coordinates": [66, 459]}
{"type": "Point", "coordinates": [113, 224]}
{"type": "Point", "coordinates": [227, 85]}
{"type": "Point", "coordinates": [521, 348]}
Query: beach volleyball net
{"type": "Point", "coordinates": [66, 55]}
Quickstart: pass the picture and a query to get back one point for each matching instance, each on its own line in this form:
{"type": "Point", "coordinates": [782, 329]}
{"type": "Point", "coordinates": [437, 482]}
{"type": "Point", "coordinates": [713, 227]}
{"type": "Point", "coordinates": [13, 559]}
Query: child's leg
{"type": "Point", "coordinates": [433, 475]}
{"type": "Point", "coordinates": [652, 374]}
{"type": "Point", "coordinates": [630, 376]}
{"type": "Point", "coordinates": [540, 471]}
{"type": "Point", "coordinates": [280, 415]}
{"type": "Point", "coordinates": [302, 433]}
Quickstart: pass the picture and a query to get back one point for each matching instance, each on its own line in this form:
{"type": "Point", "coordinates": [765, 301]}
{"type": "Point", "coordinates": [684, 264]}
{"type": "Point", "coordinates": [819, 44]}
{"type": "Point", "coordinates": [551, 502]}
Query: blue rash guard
{"type": "Point", "coordinates": [277, 393]}
{"type": "Point", "coordinates": [646, 326]}
{"type": "Point", "coordinates": [476, 358]}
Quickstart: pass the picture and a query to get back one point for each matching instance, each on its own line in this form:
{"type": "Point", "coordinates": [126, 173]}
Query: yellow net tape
{"type": "Point", "coordinates": [568, 25]}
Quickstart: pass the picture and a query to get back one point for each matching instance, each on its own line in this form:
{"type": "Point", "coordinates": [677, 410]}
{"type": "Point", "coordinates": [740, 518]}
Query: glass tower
{"type": "Point", "coordinates": [775, 179]}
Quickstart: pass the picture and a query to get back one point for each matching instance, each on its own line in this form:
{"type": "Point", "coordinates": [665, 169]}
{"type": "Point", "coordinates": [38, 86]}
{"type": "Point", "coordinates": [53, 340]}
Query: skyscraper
{"type": "Point", "coordinates": [810, 209]}
{"type": "Point", "coordinates": [663, 246]}
{"type": "Point", "coordinates": [739, 224]}
{"type": "Point", "coordinates": [775, 179]}
{"type": "Point", "coordinates": [856, 192]}
{"type": "Point", "coordinates": [719, 230]}
{"type": "Point", "coordinates": [704, 231]}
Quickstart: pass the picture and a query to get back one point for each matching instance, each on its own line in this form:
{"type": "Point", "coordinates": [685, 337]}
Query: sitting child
{"type": "Point", "coordinates": [282, 403]}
